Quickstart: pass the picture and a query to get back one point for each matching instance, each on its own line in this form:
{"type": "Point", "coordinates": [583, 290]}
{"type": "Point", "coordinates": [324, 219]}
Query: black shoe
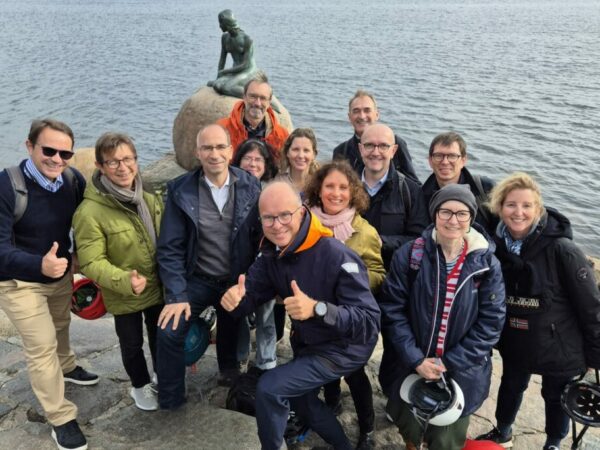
{"type": "Point", "coordinates": [495, 436]}
{"type": "Point", "coordinates": [227, 377]}
{"type": "Point", "coordinates": [69, 437]}
{"type": "Point", "coordinates": [81, 376]}
{"type": "Point", "coordinates": [365, 441]}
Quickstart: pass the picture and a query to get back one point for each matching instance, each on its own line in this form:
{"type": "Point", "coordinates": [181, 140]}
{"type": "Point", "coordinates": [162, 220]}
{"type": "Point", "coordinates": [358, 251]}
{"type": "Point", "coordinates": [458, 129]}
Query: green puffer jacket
{"type": "Point", "coordinates": [111, 242]}
{"type": "Point", "coordinates": [366, 243]}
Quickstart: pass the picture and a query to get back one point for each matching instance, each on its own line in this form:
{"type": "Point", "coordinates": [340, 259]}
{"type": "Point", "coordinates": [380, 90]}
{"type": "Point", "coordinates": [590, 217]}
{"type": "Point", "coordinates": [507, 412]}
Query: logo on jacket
{"type": "Point", "coordinates": [523, 302]}
{"type": "Point", "coordinates": [519, 324]}
{"type": "Point", "coordinates": [350, 267]}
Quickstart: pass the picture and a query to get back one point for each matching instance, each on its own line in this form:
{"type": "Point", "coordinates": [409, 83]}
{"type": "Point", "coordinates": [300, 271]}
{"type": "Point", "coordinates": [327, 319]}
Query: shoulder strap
{"type": "Point", "coordinates": [70, 176]}
{"type": "Point", "coordinates": [416, 256]}
{"type": "Point", "coordinates": [17, 180]}
{"type": "Point", "coordinates": [405, 191]}
{"type": "Point", "coordinates": [481, 195]}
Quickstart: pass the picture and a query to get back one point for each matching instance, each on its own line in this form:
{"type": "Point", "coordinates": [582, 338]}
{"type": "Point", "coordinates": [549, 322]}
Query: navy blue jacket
{"type": "Point", "coordinates": [552, 302]}
{"type": "Point", "coordinates": [411, 316]}
{"type": "Point", "coordinates": [46, 219]}
{"type": "Point", "coordinates": [177, 246]}
{"type": "Point", "coordinates": [325, 270]}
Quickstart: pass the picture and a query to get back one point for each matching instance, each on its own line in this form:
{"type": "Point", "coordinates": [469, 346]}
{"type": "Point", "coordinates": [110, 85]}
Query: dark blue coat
{"type": "Point", "coordinates": [325, 270]}
{"type": "Point", "coordinates": [177, 246]}
{"type": "Point", "coordinates": [411, 316]}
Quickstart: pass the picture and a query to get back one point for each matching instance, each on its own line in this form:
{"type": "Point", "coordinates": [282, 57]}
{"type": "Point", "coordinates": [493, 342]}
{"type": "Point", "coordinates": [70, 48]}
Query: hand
{"type": "Point", "coordinates": [138, 282]}
{"type": "Point", "coordinates": [299, 306]}
{"type": "Point", "coordinates": [52, 266]}
{"type": "Point", "coordinates": [234, 295]}
{"type": "Point", "coordinates": [431, 368]}
{"type": "Point", "coordinates": [174, 310]}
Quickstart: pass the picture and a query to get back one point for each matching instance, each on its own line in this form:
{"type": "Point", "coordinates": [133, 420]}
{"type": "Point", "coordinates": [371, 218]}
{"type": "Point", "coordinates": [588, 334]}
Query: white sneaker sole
{"type": "Point", "coordinates": [82, 383]}
{"type": "Point", "coordinates": [140, 406]}
{"type": "Point", "coordinates": [53, 434]}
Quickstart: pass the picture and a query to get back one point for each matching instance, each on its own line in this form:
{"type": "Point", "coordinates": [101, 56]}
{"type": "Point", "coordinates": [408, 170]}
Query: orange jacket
{"type": "Point", "coordinates": [275, 136]}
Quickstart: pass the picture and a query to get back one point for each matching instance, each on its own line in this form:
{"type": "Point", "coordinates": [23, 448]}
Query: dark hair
{"type": "Point", "coordinates": [446, 140]}
{"type": "Point", "coordinates": [358, 197]}
{"type": "Point", "coordinates": [308, 133]}
{"type": "Point", "coordinates": [39, 125]}
{"type": "Point", "coordinates": [266, 152]}
{"type": "Point", "coordinates": [108, 143]}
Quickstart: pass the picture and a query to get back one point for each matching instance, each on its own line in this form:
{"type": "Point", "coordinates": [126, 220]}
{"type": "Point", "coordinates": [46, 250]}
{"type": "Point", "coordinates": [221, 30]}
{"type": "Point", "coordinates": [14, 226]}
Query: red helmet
{"type": "Point", "coordinates": [86, 301]}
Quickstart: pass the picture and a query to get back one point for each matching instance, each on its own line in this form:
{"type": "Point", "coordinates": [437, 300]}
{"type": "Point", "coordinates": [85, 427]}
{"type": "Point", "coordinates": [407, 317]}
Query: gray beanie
{"type": "Point", "coordinates": [459, 192]}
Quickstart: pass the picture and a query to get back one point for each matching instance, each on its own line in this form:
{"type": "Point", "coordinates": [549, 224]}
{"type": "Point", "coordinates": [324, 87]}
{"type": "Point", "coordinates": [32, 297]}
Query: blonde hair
{"type": "Point", "coordinates": [517, 180]}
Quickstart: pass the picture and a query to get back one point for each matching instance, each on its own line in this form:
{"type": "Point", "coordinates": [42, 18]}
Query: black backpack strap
{"type": "Point", "coordinates": [405, 191]}
{"type": "Point", "coordinates": [17, 180]}
{"type": "Point", "coordinates": [481, 198]}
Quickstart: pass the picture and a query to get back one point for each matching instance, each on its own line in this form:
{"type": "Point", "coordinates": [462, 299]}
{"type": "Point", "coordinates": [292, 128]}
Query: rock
{"type": "Point", "coordinates": [204, 107]}
{"type": "Point", "coordinates": [596, 262]}
{"type": "Point", "coordinates": [84, 160]}
{"type": "Point", "coordinates": [156, 174]}
{"type": "Point", "coordinates": [7, 329]}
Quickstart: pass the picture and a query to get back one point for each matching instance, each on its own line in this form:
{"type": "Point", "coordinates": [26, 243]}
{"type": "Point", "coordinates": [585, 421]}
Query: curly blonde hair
{"type": "Point", "coordinates": [517, 180]}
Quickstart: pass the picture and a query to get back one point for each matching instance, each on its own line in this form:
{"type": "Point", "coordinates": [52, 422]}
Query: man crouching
{"type": "Point", "coordinates": [335, 319]}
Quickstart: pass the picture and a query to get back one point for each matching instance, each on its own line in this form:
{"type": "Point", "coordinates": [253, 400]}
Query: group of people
{"type": "Point", "coordinates": [445, 271]}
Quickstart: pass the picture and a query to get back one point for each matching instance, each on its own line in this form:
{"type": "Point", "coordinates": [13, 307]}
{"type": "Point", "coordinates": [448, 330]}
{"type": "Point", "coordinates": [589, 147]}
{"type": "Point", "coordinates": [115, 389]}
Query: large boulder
{"type": "Point", "coordinates": [84, 160]}
{"type": "Point", "coordinates": [204, 107]}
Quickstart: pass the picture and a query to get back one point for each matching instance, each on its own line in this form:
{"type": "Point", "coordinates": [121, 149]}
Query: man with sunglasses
{"type": "Point", "coordinates": [335, 319]}
{"type": "Point", "coordinates": [209, 235]}
{"type": "Point", "coordinates": [447, 158]}
{"type": "Point", "coordinates": [35, 263]}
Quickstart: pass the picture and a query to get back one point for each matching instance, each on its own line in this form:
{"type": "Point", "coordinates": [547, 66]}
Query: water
{"type": "Point", "coordinates": [518, 79]}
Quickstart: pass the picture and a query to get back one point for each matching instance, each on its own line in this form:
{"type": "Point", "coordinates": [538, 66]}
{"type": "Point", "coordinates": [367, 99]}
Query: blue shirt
{"type": "Point", "coordinates": [372, 191]}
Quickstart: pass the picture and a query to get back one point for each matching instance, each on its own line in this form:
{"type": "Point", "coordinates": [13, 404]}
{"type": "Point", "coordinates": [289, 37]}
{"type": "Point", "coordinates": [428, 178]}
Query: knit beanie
{"type": "Point", "coordinates": [459, 192]}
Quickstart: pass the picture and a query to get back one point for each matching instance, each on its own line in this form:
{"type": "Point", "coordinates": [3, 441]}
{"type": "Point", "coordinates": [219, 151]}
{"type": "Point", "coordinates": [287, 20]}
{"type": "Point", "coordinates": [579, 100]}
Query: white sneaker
{"type": "Point", "coordinates": [154, 383]}
{"type": "Point", "coordinates": [145, 398]}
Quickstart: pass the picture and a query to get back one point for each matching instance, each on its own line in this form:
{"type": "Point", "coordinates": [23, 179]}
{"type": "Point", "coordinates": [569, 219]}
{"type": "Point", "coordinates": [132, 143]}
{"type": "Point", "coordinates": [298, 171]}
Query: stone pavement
{"type": "Point", "coordinates": [110, 420]}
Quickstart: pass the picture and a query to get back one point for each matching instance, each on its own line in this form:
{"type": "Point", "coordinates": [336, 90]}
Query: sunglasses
{"type": "Point", "coordinates": [50, 152]}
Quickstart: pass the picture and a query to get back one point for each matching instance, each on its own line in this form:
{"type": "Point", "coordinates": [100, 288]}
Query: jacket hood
{"type": "Point", "coordinates": [310, 232]}
{"type": "Point", "coordinates": [95, 192]}
{"type": "Point", "coordinates": [555, 225]}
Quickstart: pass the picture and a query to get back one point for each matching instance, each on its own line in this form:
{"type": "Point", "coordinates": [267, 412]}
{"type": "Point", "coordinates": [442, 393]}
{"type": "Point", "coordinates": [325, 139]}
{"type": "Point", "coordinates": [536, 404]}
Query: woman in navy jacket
{"type": "Point", "coordinates": [553, 306]}
{"type": "Point", "coordinates": [447, 283]}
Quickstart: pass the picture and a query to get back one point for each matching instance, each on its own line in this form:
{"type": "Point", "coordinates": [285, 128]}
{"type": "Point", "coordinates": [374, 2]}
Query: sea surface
{"type": "Point", "coordinates": [520, 80]}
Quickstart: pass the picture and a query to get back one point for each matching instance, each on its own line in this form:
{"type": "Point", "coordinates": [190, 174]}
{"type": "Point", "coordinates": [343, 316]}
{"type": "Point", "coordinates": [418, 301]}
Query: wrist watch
{"type": "Point", "coordinates": [320, 309]}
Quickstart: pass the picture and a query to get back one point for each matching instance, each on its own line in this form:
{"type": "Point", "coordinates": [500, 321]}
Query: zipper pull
{"type": "Point", "coordinates": [553, 328]}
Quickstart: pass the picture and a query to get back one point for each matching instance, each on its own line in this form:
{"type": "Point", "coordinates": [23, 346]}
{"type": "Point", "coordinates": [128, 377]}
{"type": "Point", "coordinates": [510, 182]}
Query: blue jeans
{"type": "Point", "coordinates": [298, 382]}
{"type": "Point", "coordinates": [512, 385]}
{"type": "Point", "coordinates": [266, 337]}
{"type": "Point", "coordinates": [170, 356]}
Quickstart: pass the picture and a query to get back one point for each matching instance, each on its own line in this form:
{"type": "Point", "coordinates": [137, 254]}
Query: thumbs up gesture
{"type": "Point", "coordinates": [138, 282]}
{"type": "Point", "coordinates": [299, 306]}
{"type": "Point", "coordinates": [52, 266]}
{"type": "Point", "coordinates": [234, 295]}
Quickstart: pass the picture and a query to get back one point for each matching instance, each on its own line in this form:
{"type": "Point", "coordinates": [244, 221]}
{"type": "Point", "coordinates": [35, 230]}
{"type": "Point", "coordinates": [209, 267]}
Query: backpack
{"type": "Point", "coordinates": [415, 258]}
{"type": "Point", "coordinates": [242, 394]}
{"type": "Point", "coordinates": [17, 181]}
{"type": "Point", "coordinates": [481, 197]}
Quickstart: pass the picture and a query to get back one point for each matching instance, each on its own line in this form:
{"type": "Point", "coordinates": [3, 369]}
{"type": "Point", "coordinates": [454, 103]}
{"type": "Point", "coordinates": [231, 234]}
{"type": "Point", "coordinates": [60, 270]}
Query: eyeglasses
{"type": "Point", "coordinates": [250, 160]}
{"type": "Point", "coordinates": [210, 148]}
{"type": "Point", "coordinates": [50, 152]}
{"type": "Point", "coordinates": [451, 157]}
{"type": "Point", "coordinates": [369, 146]}
{"type": "Point", "coordinates": [115, 163]}
{"type": "Point", "coordinates": [284, 218]}
{"type": "Point", "coordinates": [461, 216]}
{"type": "Point", "coordinates": [255, 97]}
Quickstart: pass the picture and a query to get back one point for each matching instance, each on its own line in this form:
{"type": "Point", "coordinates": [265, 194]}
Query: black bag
{"type": "Point", "coordinates": [242, 395]}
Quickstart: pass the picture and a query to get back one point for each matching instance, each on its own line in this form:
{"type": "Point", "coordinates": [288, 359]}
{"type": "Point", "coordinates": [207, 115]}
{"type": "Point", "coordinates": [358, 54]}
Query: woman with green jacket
{"type": "Point", "coordinates": [336, 196]}
{"type": "Point", "coordinates": [116, 227]}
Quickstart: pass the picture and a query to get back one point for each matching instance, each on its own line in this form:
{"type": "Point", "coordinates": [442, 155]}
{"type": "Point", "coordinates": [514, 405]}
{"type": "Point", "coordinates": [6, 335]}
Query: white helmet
{"type": "Point", "coordinates": [438, 403]}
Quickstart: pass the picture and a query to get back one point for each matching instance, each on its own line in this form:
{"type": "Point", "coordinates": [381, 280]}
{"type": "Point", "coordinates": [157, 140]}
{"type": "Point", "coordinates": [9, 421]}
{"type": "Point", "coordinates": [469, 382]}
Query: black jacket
{"type": "Point", "coordinates": [402, 161]}
{"type": "Point", "coordinates": [395, 220]}
{"type": "Point", "coordinates": [484, 217]}
{"type": "Point", "coordinates": [553, 303]}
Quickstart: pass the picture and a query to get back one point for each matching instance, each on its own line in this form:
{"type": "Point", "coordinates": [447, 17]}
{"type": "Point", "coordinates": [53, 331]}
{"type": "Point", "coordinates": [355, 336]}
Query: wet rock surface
{"type": "Point", "coordinates": [110, 419]}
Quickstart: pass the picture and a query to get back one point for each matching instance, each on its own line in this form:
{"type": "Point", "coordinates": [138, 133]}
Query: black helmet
{"type": "Point", "coordinates": [581, 401]}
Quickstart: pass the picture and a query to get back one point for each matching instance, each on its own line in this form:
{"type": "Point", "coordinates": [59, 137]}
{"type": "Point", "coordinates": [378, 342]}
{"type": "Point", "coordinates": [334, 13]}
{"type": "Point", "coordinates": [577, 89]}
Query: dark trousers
{"type": "Point", "coordinates": [202, 292]}
{"type": "Point", "coordinates": [512, 385]}
{"type": "Point", "coordinates": [362, 395]}
{"type": "Point", "coordinates": [298, 382]}
{"type": "Point", "coordinates": [130, 331]}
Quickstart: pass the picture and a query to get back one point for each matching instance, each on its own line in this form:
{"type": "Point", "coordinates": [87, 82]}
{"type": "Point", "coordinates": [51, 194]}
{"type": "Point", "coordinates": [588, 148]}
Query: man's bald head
{"type": "Point", "coordinates": [379, 130]}
{"type": "Point", "coordinates": [377, 148]}
{"type": "Point", "coordinates": [279, 202]}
